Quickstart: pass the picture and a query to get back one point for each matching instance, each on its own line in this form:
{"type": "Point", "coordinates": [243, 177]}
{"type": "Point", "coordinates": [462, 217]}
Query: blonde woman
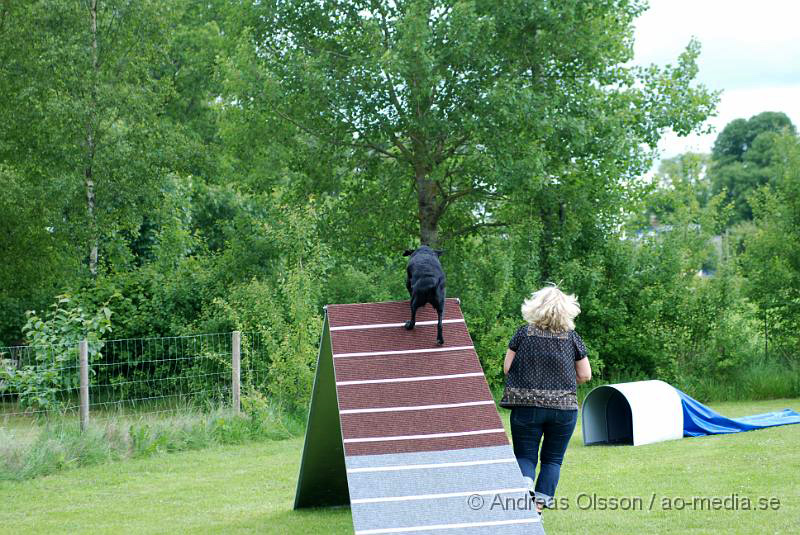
{"type": "Point", "coordinates": [545, 361]}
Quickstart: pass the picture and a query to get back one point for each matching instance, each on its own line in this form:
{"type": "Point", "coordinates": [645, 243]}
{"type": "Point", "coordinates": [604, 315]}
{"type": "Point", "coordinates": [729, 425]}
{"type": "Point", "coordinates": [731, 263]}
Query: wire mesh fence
{"type": "Point", "coordinates": [141, 376]}
{"type": "Point", "coordinates": [38, 380]}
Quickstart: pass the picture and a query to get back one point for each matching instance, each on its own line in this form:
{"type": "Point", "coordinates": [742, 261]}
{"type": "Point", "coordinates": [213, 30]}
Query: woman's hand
{"type": "Point", "coordinates": [508, 360]}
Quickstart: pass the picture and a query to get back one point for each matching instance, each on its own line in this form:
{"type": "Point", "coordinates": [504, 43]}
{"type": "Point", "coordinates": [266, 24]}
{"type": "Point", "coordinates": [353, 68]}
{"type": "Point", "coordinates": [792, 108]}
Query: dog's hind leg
{"type": "Point", "coordinates": [439, 306]}
{"type": "Point", "coordinates": [410, 323]}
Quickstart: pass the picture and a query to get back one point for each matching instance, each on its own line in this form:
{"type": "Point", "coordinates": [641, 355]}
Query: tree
{"type": "Point", "coordinates": [681, 180]}
{"type": "Point", "coordinates": [743, 156]}
{"type": "Point", "coordinates": [771, 258]}
{"type": "Point", "coordinates": [84, 113]}
{"type": "Point", "coordinates": [465, 107]}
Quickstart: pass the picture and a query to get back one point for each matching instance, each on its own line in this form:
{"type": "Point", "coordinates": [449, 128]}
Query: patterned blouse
{"type": "Point", "coordinates": [542, 373]}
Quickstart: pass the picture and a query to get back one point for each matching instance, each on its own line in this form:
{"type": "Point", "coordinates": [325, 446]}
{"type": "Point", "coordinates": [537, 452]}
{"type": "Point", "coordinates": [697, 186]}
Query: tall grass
{"type": "Point", "coordinates": [60, 445]}
{"type": "Point", "coordinates": [761, 379]}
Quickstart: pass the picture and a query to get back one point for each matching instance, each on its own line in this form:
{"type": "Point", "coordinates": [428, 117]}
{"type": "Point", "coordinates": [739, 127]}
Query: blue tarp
{"type": "Point", "coordinates": [699, 420]}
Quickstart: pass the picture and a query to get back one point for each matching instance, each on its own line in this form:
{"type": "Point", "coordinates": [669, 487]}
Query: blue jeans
{"type": "Point", "coordinates": [528, 426]}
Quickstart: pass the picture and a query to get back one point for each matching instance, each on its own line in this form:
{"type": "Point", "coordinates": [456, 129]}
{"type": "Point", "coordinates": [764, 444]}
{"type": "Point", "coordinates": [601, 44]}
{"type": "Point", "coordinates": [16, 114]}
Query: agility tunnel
{"type": "Point", "coordinates": [643, 412]}
{"type": "Point", "coordinates": [406, 431]}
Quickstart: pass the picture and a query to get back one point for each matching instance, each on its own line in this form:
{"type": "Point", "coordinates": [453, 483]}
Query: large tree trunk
{"type": "Point", "coordinates": [429, 209]}
{"type": "Point", "coordinates": [90, 146]}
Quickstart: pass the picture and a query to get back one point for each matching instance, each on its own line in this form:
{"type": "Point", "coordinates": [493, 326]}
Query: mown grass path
{"type": "Point", "coordinates": [250, 489]}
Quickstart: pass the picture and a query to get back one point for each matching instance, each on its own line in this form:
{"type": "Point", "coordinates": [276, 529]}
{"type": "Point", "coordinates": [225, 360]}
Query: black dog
{"type": "Point", "coordinates": [425, 283]}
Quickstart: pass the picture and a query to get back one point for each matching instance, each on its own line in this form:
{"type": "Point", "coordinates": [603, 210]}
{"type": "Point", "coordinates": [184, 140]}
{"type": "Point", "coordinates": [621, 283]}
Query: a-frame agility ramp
{"type": "Point", "coordinates": [406, 431]}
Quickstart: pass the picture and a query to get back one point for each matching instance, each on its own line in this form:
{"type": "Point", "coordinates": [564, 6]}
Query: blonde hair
{"type": "Point", "coordinates": [551, 309]}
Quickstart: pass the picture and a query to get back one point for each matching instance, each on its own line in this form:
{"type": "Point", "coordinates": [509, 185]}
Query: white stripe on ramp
{"type": "Point", "coordinates": [422, 437]}
{"type": "Point", "coordinates": [436, 496]}
{"type": "Point", "coordinates": [385, 325]}
{"type": "Point", "coordinates": [418, 407]}
{"type": "Point", "coordinates": [431, 350]}
{"type": "Point", "coordinates": [407, 379]}
{"type": "Point", "coordinates": [426, 466]}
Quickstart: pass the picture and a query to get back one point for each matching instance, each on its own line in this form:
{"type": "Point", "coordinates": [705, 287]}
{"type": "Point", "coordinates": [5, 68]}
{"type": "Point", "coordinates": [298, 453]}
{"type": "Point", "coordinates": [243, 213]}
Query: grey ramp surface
{"type": "Point", "coordinates": [430, 457]}
{"type": "Point", "coordinates": [445, 479]}
{"type": "Point", "coordinates": [464, 491]}
{"type": "Point", "coordinates": [450, 511]}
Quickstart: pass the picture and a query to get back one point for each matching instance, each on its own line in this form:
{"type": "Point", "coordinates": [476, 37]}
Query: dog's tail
{"type": "Point", "coordinates": [425, 283]}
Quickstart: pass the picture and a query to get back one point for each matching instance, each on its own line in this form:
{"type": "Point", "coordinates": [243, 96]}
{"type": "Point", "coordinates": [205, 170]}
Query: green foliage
{"type": "Point", "coordinates": [648, 310]}
{"type": "Point", "coordinates": [756, 378]}
{"type": "Point", "coordinates": [69, 117]}
{"type": "Point", "coordinates": [482, 279]}
{"type": "Point", "coordinates": [79, 113]}
{"type": "Point", "coordinates": [282, 310]}
{"type": "Point", "coordinates": [36, 260]}
{"type": "Point", "coordinates": [453, 113]}
{"type": "Point", "coordinates": [771, 256]}
{"type": "Point", "coordinates": [64, 326]}
{"type": "Point", "coordinates": [243, 180]}
{"type": "Point", "coordinates": [744, 158]}
{"type": "Point", "coordinates": [50, 372]}
{"type": "Point", "coordinates": [36, 386]}
{"type": "Point", "coordinates": [684, 175]}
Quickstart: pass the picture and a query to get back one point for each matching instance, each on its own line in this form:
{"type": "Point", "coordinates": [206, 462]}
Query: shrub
{"type": "Point", "coordinates": [53, 339]}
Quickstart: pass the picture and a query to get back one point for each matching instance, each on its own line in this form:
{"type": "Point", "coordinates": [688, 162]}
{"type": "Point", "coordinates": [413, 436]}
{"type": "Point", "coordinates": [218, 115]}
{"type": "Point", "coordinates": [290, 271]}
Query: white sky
{"type": "Point", "coordinates": [750, 50]}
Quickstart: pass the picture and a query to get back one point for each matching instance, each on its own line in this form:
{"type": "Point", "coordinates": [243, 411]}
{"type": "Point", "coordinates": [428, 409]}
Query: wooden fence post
{"type": "Point", "coordinates": [83, 350]}
{"type": "Point", "coordinates": [236, 359]}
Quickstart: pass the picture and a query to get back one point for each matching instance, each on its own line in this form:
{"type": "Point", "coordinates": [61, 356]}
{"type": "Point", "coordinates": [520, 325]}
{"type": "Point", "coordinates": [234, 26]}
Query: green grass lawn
{"type": "Point", "coordinates": [250, 488]}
